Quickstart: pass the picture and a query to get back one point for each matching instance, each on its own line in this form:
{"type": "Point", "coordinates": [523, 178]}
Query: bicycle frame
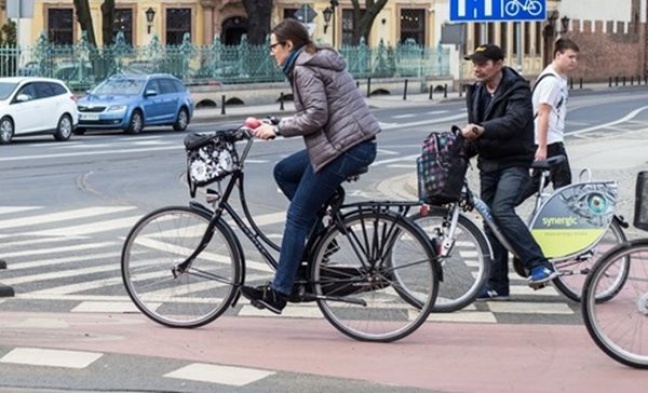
{"type": "Point", "coordinates": [221, 204]}
{"type": "Point", "coordinates": [252, 231]}
{"type": "Point", "coordinates": [565, 200]}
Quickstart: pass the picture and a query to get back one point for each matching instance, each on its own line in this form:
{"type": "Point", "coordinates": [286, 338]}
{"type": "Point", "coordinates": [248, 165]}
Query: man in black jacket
{"type": "Point", "coordinates": [500, 132]}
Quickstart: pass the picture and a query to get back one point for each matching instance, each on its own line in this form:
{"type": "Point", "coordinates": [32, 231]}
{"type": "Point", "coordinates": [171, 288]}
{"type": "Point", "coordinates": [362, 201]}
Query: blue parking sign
{"type": "Point", "coordinates": [497, 10]}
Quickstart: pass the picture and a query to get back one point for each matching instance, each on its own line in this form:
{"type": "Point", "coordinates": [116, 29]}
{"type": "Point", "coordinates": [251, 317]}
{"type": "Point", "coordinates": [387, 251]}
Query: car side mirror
{"type": "Point", "coordinates": [23, 98]}
{"type": "Point", "coordinates": [150, 93]}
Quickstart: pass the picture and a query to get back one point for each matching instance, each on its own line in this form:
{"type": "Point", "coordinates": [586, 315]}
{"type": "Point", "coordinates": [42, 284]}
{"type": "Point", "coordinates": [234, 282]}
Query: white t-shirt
{"type": "Point", "coordinates": [552, 90]}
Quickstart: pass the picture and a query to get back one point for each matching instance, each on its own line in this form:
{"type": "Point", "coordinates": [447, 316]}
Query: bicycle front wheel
{"type": "Point", "coordinates": [573, 272]}
{"type": "Point", "coordinates": [466, 263]}
{"type": "Point", "coordinates": [163, 290]}
{"type": "Point", "coordinates": [619, 326]}
{"type": "Point", "coordinates": [378, 257]}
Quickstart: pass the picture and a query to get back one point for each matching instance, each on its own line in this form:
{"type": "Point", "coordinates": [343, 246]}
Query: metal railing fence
{"type": "Point", "coordinates": [82, 66]}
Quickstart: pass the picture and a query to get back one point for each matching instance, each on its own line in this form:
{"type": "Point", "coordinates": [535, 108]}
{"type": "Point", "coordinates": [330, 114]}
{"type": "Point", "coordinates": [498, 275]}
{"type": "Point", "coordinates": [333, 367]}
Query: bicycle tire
{"type": "Point", "coordinates": [161, 240]}
{"type": "Point", "coordinates": [574, 272]}
{"type": "Point", "coordinates": [610, 323]}
{"type": "Point", "coordinates": [358, 297]}
{"type": "Point", "coordinates": [466, 266]}
{"type": "Point", "coordinates": [512, 8]}
{"type": "Point", "coordinates": [535, 8]}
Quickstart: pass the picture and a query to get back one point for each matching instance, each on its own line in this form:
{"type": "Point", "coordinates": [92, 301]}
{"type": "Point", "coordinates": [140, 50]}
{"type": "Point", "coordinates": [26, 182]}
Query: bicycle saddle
{"type": "Point", "coordinates": [548, 163]}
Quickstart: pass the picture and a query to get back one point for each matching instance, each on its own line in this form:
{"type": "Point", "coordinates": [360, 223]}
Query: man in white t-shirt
{"type": "Point", "coordinates": [550, 94]}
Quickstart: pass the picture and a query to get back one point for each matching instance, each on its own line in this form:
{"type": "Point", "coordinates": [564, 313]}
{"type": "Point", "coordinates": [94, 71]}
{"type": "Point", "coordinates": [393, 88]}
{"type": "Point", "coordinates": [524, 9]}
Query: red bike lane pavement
{"type": "Point", "coordinates": [452, 357]}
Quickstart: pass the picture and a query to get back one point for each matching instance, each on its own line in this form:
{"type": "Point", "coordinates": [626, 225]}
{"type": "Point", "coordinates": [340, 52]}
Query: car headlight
{"type": "Point", "coordinates": [116, 108]}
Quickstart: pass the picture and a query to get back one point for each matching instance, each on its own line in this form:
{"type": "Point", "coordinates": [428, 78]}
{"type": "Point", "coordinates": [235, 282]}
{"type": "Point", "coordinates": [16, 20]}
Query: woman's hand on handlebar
{"type": "Point", "coordinates": [262, 129]}
{"type": "Point", "coordinates": [265, 131]}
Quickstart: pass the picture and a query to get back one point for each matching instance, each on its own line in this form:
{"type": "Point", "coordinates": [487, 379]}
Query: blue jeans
{"type": "Point", "coordinates": [308, 191]}
{"type": "Point", "coordinates": [500, 190]}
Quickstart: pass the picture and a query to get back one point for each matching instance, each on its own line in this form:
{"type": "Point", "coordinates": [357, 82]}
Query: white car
{"type": "Point", "coordinates": [32, 106]}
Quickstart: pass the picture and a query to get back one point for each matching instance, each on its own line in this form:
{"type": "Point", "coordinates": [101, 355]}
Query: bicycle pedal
{"type": "Point", "coordinates": [536, 287]}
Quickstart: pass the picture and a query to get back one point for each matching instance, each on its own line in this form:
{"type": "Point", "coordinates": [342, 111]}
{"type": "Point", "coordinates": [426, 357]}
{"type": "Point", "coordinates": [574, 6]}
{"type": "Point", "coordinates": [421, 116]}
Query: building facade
{"type": "Point", "coordinates": [612, 35]}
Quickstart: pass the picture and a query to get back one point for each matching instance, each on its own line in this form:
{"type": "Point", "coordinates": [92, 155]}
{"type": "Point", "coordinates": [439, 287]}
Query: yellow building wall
{"type": "Point", "coordinates": [140, 25]}
{"type": "Point", "coordinates": [386, 26]}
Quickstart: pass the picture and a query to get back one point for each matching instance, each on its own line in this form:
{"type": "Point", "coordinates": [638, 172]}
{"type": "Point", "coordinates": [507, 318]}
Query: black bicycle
{"type": "Point", "coordinates": [371, 271]}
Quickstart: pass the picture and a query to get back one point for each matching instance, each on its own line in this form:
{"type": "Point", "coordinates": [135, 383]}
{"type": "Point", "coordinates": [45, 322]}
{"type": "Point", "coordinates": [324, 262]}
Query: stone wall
{"type": "Point", "coordinates": [615, 49]}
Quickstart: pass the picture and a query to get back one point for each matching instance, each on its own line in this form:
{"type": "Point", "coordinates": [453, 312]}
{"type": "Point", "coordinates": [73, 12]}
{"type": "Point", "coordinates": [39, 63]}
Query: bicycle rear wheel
{"type": "Point", "coordinates": [619, 326]}
{"type": "Point", "coordinates": [155, 247]}
{"type": "Point", "coordinates": [466, 264]}
{"type": "Point", "coordinates": [573, 272]}
{"type": "Point", "coordinates": [359, 287]}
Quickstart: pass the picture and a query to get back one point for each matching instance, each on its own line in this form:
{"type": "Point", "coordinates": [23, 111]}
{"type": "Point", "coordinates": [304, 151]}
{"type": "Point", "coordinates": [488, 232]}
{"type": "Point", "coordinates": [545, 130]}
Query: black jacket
{"type": "Point", "coordinates": [508, 123]}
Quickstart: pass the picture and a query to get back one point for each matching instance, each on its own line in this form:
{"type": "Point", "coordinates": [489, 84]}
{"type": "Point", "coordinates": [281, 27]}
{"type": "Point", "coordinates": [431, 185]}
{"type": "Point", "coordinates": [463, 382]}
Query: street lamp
{"type": "Point", "coordinates": [150, 15]}
{"type": "Point", "coordinates": [328, 13]}
{"type": "Point", "coordinates": [564, 23]}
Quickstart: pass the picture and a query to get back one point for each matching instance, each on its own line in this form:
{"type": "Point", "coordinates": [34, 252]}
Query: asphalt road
{"type": "Point", "coordinates": [66, 208]}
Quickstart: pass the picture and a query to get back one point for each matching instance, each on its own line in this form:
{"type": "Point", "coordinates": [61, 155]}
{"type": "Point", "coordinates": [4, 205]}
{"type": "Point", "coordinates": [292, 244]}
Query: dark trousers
{"type": "Point", "coordinates": [308, 191]}
{"type": "Point", "coordinates": [559, 176]}
{"type": "Point", "coordinates": [500, 191]}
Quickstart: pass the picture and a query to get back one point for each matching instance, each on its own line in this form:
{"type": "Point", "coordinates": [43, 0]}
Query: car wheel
{"type": "Point", "coordinates": [6, 130]}
{"type": "Point", "coordinates": [79, 131]}
{"type": "Point", "coordinates": [182, 121]}
{"type": "Point", "coordinates": [136, 123]}
{"type": "Point", "coordinates": [64, 128]}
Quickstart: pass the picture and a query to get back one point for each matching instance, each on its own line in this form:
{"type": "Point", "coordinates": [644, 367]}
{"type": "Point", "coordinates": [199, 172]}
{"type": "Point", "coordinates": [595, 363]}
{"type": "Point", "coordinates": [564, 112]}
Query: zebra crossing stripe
{"type": "Point", "coordinates": [60, 274]}
{"type": "Point", "coordinates": [61, 261]}
{"type": "Point", "coordinates": [50, 357]}
{"type": "Point", "coordinates": [31, 242]}
{"type": "Point", "coordinates": [91, 228]}
{"type": "Point", "coordinates": [17, 209]}
{"type": "Point", "coordinates": [54, 250]}
{"type": "Point", "coordinates": [62, 216]}
{"type": "Point", "coordinates": [225, 375]}
{"type": "Point", "coordinates": [162, 246]}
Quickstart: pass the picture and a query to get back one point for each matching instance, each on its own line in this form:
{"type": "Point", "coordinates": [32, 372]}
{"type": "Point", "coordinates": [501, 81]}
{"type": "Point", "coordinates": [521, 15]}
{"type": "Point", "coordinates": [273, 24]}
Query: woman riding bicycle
{"type": "Point", "coordinates": [340, 136]}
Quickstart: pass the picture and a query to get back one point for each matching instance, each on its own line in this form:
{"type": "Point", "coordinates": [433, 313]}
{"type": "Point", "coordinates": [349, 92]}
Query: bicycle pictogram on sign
{"type": "Point", "coordinates": [497, 10]}
{"type": "Point", "coordinates": [531, 7]}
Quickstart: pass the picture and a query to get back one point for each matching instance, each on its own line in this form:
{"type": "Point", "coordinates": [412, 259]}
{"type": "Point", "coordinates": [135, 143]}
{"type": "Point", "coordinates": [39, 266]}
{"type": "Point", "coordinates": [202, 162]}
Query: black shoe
{"type": "Point", "coordinates": [265, 297]}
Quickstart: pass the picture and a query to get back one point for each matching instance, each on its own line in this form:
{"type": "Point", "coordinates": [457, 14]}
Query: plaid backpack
{"type": "Point", "coordinates": [441, 168]}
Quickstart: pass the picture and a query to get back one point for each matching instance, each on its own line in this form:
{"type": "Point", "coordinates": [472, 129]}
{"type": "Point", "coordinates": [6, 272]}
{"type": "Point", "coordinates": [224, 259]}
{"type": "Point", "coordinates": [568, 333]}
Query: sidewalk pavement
{"type": "Point", "coordinates": [238, 112]}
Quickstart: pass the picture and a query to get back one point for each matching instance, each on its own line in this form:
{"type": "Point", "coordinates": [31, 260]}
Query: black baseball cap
{"type": "Point", "coordinates": [483, 53]}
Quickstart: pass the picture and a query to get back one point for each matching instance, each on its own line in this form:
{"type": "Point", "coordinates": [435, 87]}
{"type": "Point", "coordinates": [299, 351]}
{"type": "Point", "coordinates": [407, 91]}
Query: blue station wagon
{"type": "Point", "coordinates": [132, 102]}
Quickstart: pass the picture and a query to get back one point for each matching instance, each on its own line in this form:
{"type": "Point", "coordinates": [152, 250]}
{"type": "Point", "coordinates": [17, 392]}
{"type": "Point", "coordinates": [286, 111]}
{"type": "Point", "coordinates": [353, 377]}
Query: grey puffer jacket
{"type": "Point", "coordinates": [331, 114]}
